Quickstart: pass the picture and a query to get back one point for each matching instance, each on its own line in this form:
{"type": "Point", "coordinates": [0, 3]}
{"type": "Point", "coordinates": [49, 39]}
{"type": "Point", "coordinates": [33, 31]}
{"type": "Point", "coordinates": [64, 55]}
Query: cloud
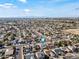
{"type": "Point", "coordinates": [7, 5]}
{"type": "Point", "coordinates": [27, 10]}
{"type": "Point", "coordinates": [23, 1]}
{"type": "Point", "coordinates": [11, 10]}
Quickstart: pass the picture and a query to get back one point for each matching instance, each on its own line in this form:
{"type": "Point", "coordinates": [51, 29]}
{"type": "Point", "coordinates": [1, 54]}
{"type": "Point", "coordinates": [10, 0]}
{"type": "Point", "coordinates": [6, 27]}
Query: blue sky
{"type": "Point", "coordinates": [39, 8]}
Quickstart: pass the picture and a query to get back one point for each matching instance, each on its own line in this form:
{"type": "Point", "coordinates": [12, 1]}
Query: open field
{"type": "Point", "coordinates": [72, 31]}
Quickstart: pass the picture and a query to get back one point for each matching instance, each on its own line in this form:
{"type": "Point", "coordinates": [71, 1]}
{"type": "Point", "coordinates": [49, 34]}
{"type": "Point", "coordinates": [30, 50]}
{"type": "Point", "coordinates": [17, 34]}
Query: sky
{"type": "Point", "coordinates": [39, 8]}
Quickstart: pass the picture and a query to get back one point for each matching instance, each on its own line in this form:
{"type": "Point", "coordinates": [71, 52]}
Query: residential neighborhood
{"type": "Point", "coordinates": [39, 38]}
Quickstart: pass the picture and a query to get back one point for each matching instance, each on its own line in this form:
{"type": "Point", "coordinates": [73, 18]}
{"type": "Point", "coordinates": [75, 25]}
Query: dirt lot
{"type": "Point", "coordinates": [72, 31]}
